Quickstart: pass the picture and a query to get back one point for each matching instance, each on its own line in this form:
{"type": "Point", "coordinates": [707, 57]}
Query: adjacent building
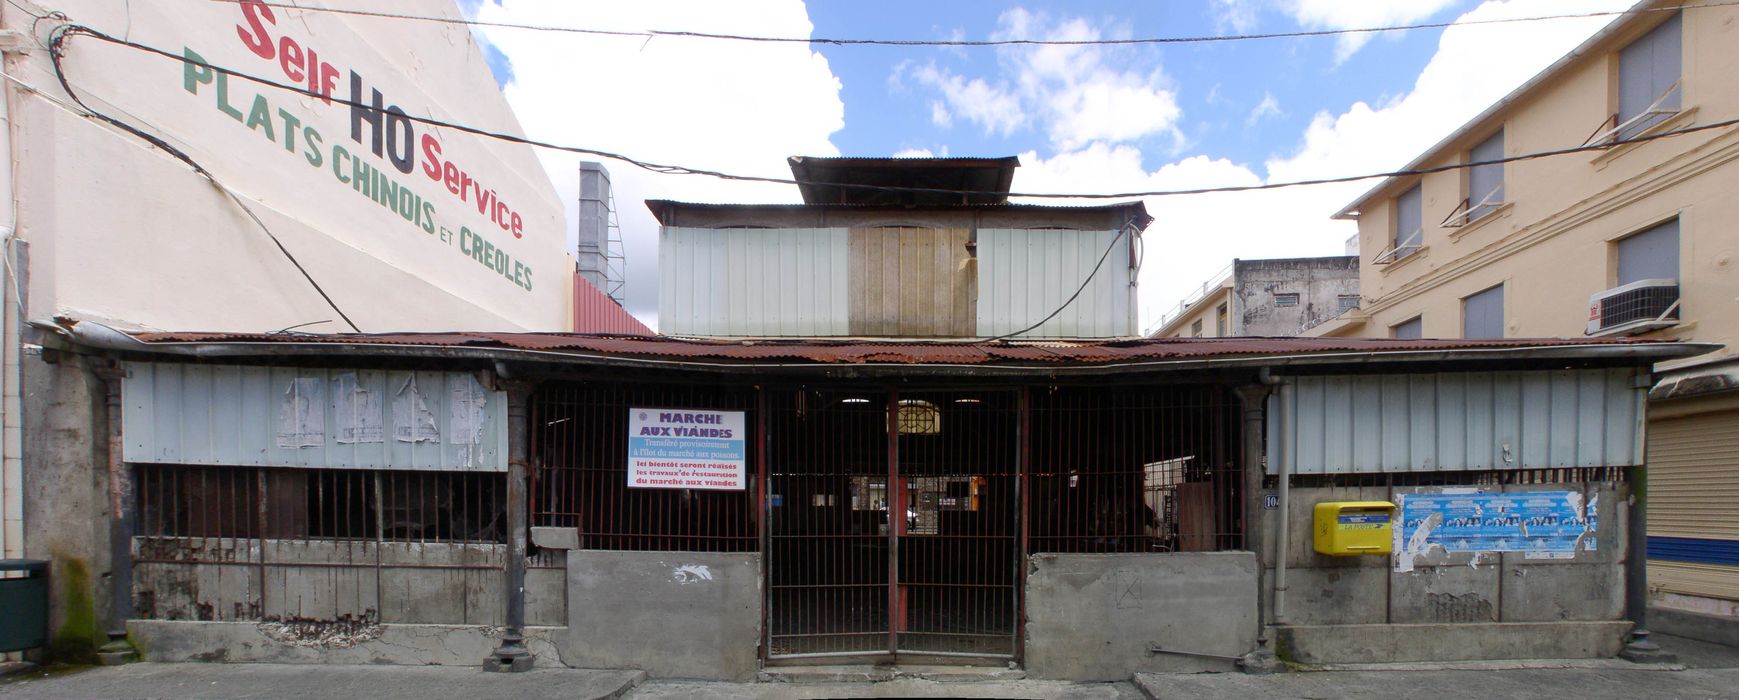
{"type": "Point", "coordinates": [1630, 237]}
{"type": "Point", "coordinates": [245, 166]}
{"type": "Point", "coordinates": [1280, 297]}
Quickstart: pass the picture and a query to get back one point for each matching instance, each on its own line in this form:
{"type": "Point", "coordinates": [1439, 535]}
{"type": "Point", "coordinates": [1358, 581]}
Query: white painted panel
{"type": "Point", "coordinates": [753, 282]}
{"type": "Point", "coordinates": [1025, 274]}
{"type": "Point", "coordinates": [1456, 421]}
{"type": "Point", "coordinates": [230, 415]}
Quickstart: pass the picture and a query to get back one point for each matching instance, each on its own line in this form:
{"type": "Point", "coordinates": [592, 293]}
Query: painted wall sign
{"type": "Point", "coordinates": [686, 449]}
{"type": "Point", "coordinates": [1541, 524]}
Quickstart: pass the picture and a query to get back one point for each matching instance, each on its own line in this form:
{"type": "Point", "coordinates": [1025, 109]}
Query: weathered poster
{"type": "Point", "coordinates": [465, 410]}
{"type": "Point", "coordinates": [686, 449]}
{"type": "Point", "coordinates": [356, 410]}
{"type": "Point", "coordinates": [302, 414]}
{"type": "Point", "coordinates": [412, 421]}
{"type": "Point", "coordinates": [1541, 524]}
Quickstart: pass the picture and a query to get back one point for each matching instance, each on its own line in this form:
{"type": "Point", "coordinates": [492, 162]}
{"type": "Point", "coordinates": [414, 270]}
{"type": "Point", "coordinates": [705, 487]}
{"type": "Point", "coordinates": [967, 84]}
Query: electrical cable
{"type": "Point", "coordinates": [57, 52]}
{"type": "Point", "coordinates": [670, 169]}
{"type": "Point", "coordinates": [658, 33]}
{"type": "Point", "coordinates": [1121, 232]}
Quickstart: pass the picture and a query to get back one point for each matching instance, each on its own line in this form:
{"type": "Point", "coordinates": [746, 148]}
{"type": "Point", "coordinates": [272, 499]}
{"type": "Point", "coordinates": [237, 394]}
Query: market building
{"type": "Point", "coordinates": [875, 457]}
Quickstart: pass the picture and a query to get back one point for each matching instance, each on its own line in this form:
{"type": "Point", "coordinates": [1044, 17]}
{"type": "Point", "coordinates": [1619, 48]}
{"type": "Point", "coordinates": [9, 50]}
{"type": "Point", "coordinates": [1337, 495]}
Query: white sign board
{"type": "Point", "coordinates": [672, 448]}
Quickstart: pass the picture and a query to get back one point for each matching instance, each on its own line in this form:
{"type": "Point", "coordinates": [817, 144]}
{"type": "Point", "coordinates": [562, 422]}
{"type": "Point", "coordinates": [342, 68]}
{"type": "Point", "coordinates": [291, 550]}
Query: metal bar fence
{"type": "Point", "coordinates": [1138, 469]}
{"type": "Point", "coordinates": [579, 453]}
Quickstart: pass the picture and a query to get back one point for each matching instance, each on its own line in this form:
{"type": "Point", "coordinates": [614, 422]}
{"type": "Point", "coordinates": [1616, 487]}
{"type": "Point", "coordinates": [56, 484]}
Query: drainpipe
{"type": "Point", "coordinates": [11, 346]}
{"type": "Point", "coordinates": [122, 524]}
{"type": "Point", "coordinates": [1640, 648]}
{"type": "Point", "coordinates": [1282, 526]}
{"type": "Point", "coordinates": [1253, 399]}
{"type": "Point", "coordinates": [512, 656]}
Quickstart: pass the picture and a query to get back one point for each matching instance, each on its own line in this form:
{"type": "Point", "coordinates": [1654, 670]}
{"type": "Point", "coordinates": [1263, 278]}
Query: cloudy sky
{"type": "Point", "coordinates": [1082, 119]}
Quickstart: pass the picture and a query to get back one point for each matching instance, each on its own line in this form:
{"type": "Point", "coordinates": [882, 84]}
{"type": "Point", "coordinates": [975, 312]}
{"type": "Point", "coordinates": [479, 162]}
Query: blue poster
{"type": "Point", "coordinates": [1547, 524]}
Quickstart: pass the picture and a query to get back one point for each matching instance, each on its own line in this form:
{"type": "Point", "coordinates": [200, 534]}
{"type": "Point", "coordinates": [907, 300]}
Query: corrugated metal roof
{"type": "Point", "coordinates": [864, 351]}
{"type": "Point", "coordinates": [906, 181]}
{"type": "Point", "coordinates": [662, 208]}
{"type": "Point", "coordinates": [596, 312]}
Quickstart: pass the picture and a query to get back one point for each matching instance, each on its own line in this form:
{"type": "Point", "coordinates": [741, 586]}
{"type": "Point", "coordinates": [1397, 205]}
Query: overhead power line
{"type": "Point", "coordinates": [79, 30]}
{"type": "Point", "coordinates": [839, 41]}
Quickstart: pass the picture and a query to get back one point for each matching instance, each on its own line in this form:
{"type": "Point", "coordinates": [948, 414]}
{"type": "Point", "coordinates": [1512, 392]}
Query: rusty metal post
{"type": "Point", "coordinates": [1254, 401]}
{"type": "Point", "coordinates": [122, 516]}
{"type": "Point", "coordinates": [512, 654]}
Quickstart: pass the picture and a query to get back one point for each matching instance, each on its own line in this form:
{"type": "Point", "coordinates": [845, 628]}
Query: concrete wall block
{"type": "Point", "coordinates": [671, 614]}
{"type": "Point", "coordinates": [411, 645]}
{"type": "Point", "coordinates": [546, 597]}
{"type": "Point", "coordinates": [1094, 616]}
{"type": "Point", "coordinates": [196, 592]}
{"type": "Point", "coordinates": [1350, 644]}
{"type": "Point", "coordinates": [1545, 592]}
{"type": "Point", "coordinates": [320, 592]}
{"type": "Point", "coordinates": [434, 596]}
{"type": "Point", "coordinates": [1336, 596]}
{"type": "Point", "coordinates": [1452, 594]}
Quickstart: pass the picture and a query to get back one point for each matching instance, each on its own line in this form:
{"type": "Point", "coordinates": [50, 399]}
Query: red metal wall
{"type": "Point", "coordinates": [596, 312]}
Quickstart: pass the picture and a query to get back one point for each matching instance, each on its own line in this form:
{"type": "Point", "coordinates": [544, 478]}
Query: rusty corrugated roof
{"type": "Point", "coordinates": [858, 351]}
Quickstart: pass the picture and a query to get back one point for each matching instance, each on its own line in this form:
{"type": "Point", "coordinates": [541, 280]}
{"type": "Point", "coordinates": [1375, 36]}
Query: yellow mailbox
{"type": "Point", "coordinates": [1351, 528]}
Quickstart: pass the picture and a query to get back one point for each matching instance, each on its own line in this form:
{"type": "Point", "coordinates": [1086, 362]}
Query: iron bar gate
{"type": "Point", "coordinates": [893, 523]}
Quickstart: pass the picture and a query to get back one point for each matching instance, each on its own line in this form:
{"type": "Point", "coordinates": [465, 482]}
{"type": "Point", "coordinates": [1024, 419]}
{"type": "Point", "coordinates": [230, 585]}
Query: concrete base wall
{"type": "Point", "coordinates": [1356, 644]}
{"type": "Point", "coordinates": [1719, 629]}
{"type": "Point", "coordinates": [267, 642]}
{"type": "Point", "coordinates": [1094, 617]}
{"type": "Point", "coordinates": [671, 614]}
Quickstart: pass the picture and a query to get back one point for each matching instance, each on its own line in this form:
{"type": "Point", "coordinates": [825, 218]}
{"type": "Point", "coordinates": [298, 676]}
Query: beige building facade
{"type": "Point", "coordinates": [1276, 297]}
{"type": "Point", "coordinates": [1631, 237]}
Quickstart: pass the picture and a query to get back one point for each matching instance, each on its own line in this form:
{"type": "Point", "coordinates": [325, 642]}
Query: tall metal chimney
{"type": "Point", "coordinates": [594, 224]}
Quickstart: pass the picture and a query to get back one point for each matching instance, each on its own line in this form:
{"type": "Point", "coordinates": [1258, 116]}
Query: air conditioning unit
{"type": "Point", "coordinates": [1638, 307]}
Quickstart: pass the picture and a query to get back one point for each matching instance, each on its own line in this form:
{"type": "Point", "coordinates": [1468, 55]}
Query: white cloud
{"type": "Point", "coordinates": [1349, 14]}
{"type": "Point", "coordinates": [1076, 94]}
{"type": "Point", "coordinates": [1268, 107]}
{"type": "Point", "coordinates": [669, 100]}
{"type": "Point", "coordinates": [1193, 236]}
{"type": "Point", "coordinates": [1235, 15]}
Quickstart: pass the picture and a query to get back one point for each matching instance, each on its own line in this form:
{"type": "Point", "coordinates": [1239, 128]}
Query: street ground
{"type": "Point", "coordinates": [1704, 671]}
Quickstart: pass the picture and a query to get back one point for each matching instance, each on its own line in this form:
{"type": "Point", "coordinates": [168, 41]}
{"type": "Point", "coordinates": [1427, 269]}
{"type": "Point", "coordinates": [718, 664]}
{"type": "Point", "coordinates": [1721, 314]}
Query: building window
{"type": "Point", "coordinates": [1652, 254]}
{"type": "Point", "coordinates": [1485, 183]}
{"type": "Point", "coordinates": [1649, 74]}
{"type": "Point", "coordinates": [1196, 329]}
{"type": "Point", "coordinates": [1409, 227]}
{"type": "Point", "coordinates": [1286, 298]}
{"type": "Point", "coordinates": [1345, 303]}
{"type": "Point", "coordinates": [1220, 320]}
{"type": "Point", "coordinates": [1410, 329]}
{"type": "Point", "coordinates": [918, 418]}
{"type": "Point", "coordinates": [1482, 314]}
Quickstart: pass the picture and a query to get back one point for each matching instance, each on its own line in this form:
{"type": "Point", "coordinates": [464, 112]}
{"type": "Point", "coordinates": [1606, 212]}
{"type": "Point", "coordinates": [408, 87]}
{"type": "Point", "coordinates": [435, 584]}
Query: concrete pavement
{"type": "Point", "coordinates": [1708, 671]}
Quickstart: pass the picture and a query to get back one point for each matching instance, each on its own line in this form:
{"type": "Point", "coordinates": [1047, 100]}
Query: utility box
{"type": "Point", "coordinates": [23, 604]}
{"type": "Point", "coordinates": [1352, 528]}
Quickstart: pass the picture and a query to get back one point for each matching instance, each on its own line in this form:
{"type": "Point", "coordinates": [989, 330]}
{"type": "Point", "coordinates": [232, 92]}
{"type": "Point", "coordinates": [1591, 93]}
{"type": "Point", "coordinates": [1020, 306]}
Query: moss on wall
{"type": "Point", "coordinates": [78, 636]}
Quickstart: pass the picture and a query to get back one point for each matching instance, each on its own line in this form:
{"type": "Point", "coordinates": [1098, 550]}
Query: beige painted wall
{"type": "Point", "coordinates": [1206, 310]}
{"type": "Point", "coordinates": [1552, 244]}
{"type": "Point", "coordinates": [121, 231]}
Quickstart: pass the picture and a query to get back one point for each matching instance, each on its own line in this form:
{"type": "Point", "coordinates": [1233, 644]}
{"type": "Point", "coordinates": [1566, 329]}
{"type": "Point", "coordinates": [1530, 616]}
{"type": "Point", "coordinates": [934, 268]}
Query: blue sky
{"type": "Point", "coordinates": [1082, 119]}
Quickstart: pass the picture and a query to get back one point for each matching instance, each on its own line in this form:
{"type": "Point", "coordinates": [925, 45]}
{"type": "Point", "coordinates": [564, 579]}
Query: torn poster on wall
{"type": "Point", "coordinates": [302, 414]}
{"type": "Point", "coordinates": [465, 410]}
{"type": "Point", "coordinates": [412, 421]}
{"type": "Point", "coordinates": [357, 410]}
{"type": "Point", "coordinates": [1540, 524]}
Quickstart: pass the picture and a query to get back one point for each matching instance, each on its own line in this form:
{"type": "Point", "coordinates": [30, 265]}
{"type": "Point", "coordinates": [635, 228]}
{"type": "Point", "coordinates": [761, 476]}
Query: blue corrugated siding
{"type": "Point", "coordinates": [1693, 549]}
{"type": "Point", "coordinates": [1456, 421]}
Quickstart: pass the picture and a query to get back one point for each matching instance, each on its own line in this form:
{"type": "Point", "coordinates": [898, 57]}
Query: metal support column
{"type": "Point", "coordinates": [1254, 400]}
{"type": "Point", "coordinates": [1640, 648]}
{"type": "Point", "coordinates": [512, 654]}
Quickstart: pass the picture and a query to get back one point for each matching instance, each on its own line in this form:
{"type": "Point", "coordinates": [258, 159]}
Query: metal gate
{"type": "Point", "coordinates": [893, 523]}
